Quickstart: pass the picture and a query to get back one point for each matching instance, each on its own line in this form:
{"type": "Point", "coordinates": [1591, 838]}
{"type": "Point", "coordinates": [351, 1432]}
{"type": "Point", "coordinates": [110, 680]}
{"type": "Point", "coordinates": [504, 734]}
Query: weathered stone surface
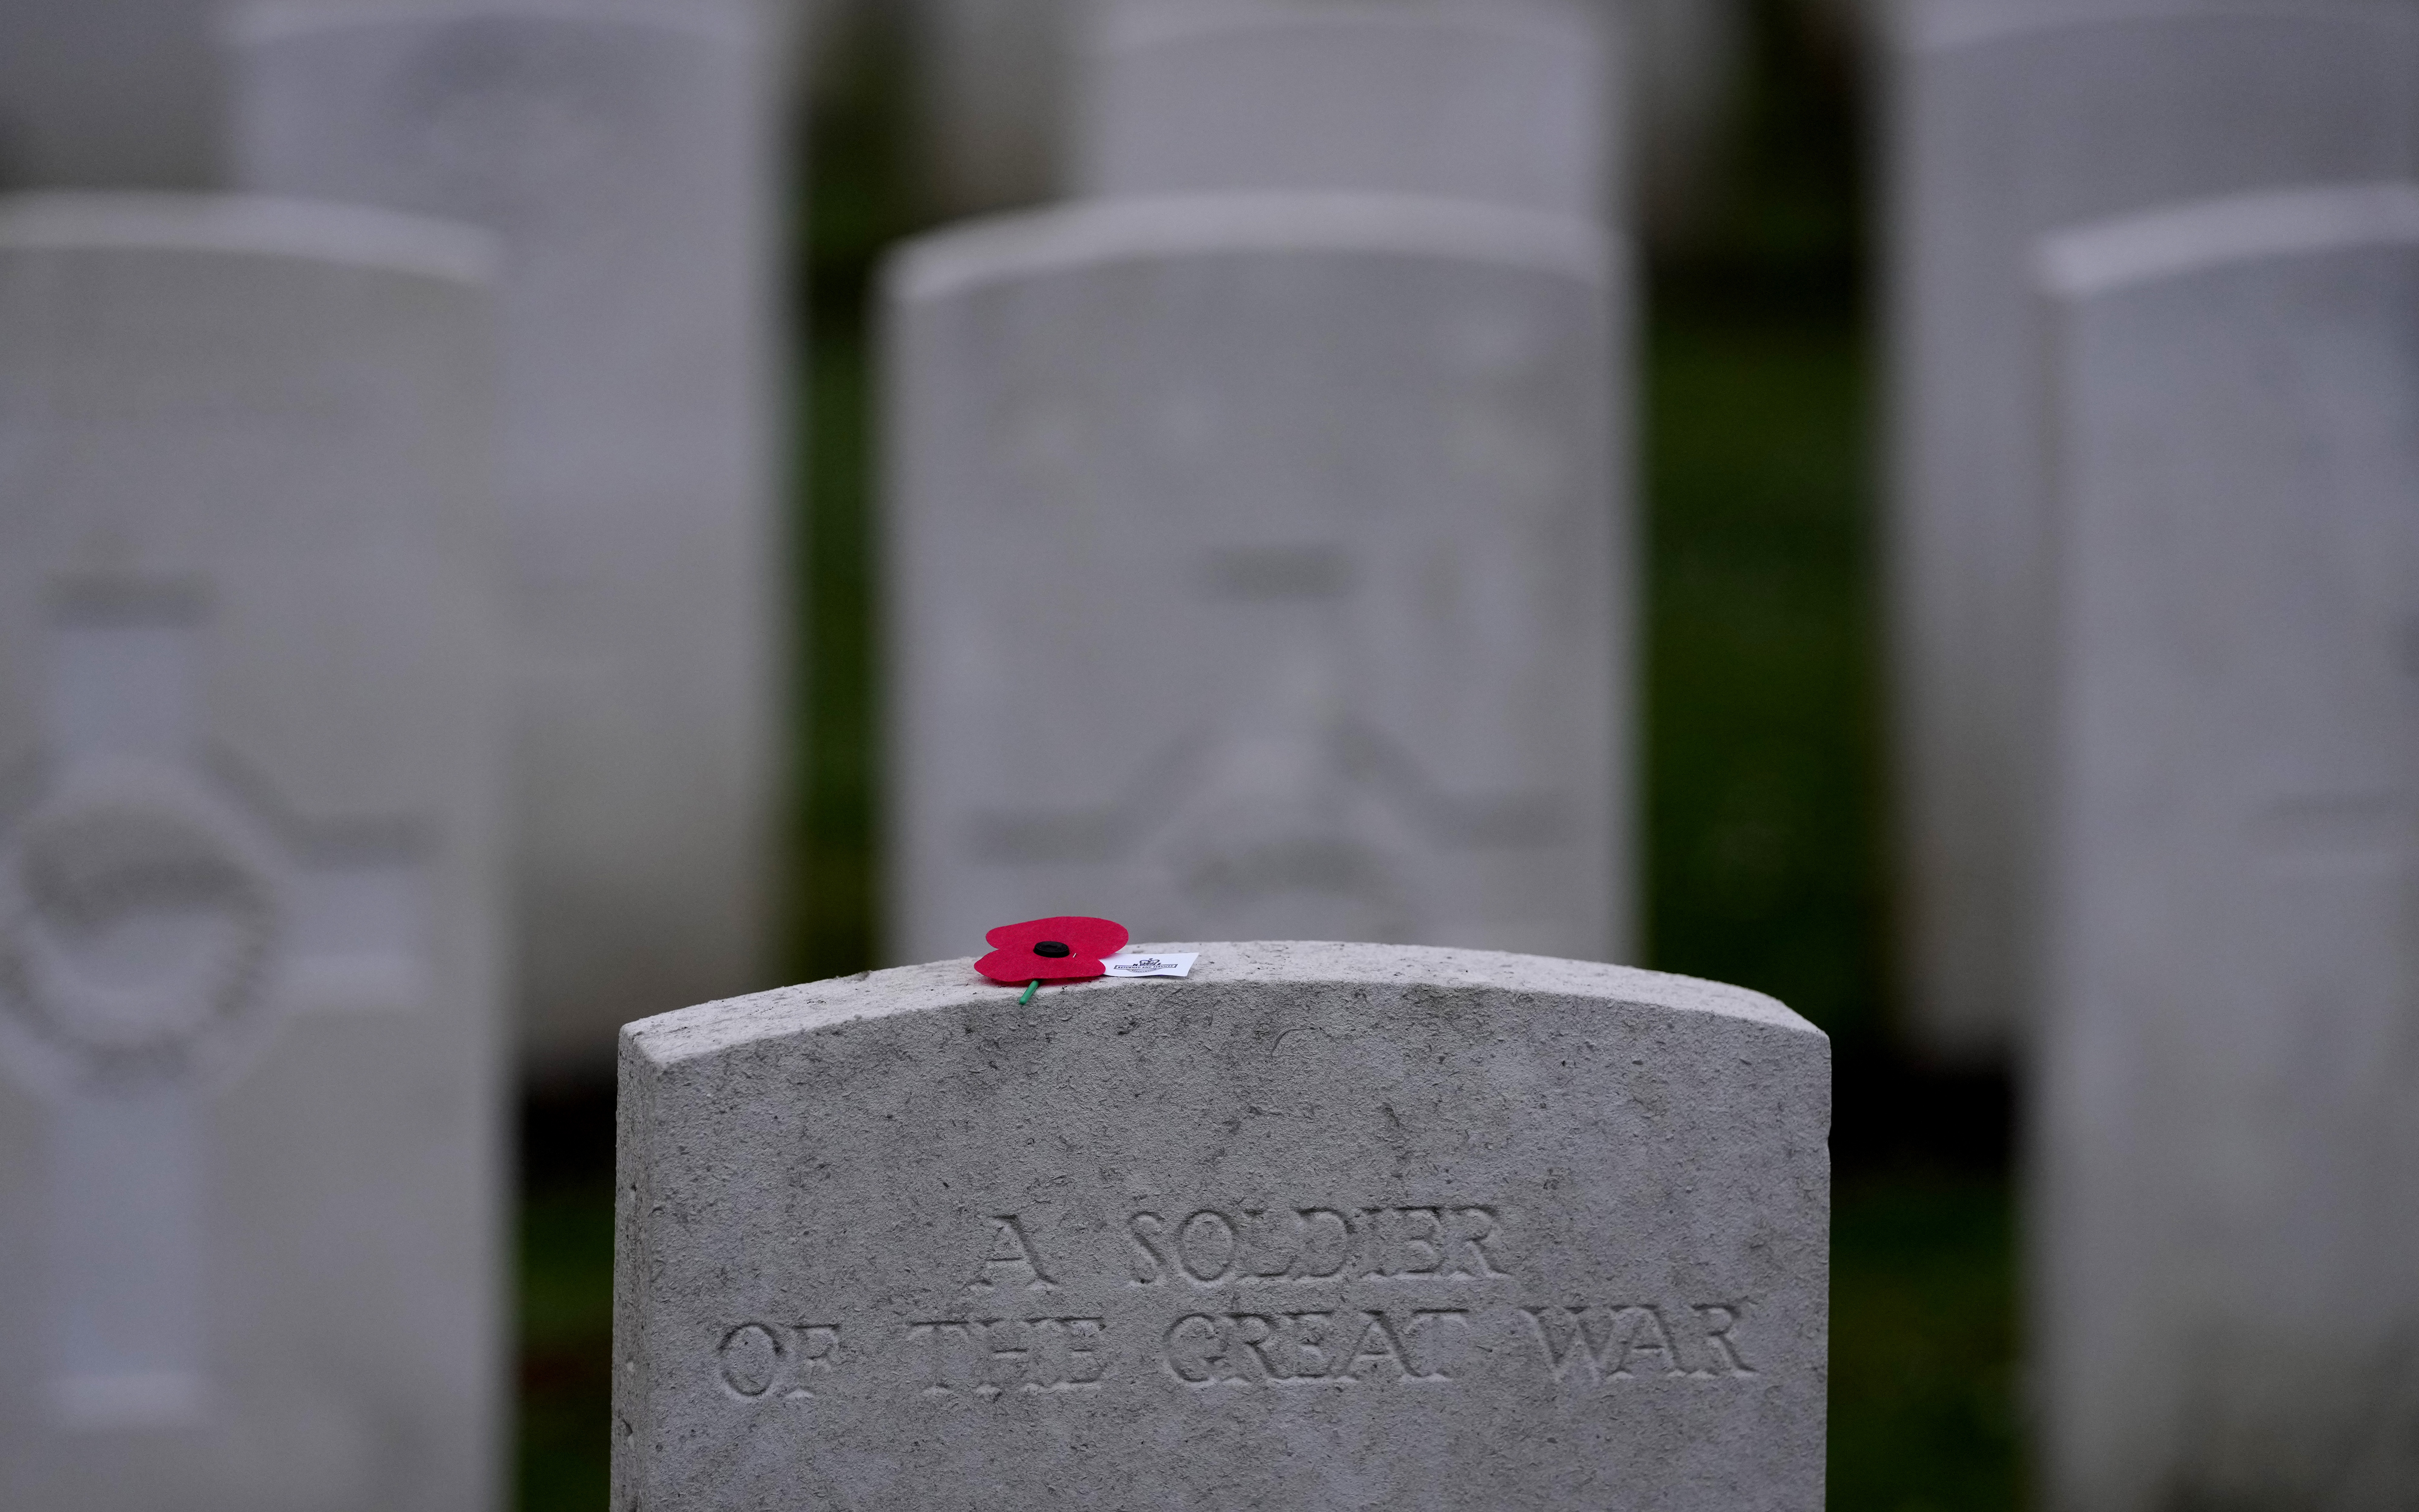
{"type": "Point", "coordinates": [1324, 1226]}
{"type": "Point", "coordinates": [2229, 1121]}
{"type": "Point", "coordinates": [251, 879]}
{"type": "Point", "coordinates": [621, 156]}
{"type": "Point", "coordinates": [1512, 101]}
{"type": "Point", "coordinates": [1260, 562]}
{"type": "Point", "coordinates": [2012, 120]}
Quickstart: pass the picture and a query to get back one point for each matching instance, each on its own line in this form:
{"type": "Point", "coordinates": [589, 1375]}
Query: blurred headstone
{"type": "Point", "coordinates": [1000, 86]}
{"type": "Point", "coordinates": [2010, 121]}
{"type": "Point", "coordinates": [109, 94]}
{"type": "Point", "coordinates": [1259, 562]}
{"type": "Point", "coordinates": [252, 873]}
{"type": "Point", "coordinates": [2228, 1116]}
{"type": "Point", "coordinates": [1483, 1231]}
{"type": "Point", "coordinates": [1511, 101]}
{"type": "Point", "coordinates": [624, 160]}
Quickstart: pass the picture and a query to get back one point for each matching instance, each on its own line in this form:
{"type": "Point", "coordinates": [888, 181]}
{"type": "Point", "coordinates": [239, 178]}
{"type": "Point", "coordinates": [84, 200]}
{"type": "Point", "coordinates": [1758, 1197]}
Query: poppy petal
{"type": "Point", "coordinates": [1085, 935]}
{"type": "Point", "coordinates": [1017, 967]}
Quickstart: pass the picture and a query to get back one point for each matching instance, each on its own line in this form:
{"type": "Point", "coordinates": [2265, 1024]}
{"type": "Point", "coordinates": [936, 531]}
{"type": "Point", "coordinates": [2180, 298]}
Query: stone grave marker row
{"type": "Point", "coordinates": [2010, 121]}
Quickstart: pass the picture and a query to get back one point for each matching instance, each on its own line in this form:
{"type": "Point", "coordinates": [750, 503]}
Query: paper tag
{"type": "Point", "coordinates": [1144, 963]}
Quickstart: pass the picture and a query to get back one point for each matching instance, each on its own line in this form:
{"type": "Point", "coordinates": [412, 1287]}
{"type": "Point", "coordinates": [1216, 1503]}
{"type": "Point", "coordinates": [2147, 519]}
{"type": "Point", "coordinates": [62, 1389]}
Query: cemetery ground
{"type": "Point", "coordinates": [1763, 806]}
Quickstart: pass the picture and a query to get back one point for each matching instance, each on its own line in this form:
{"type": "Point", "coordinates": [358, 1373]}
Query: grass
{"type": "Point", "coordinates": [1760, 818]}
{"type": "Point", "coordinates": [565, 1286]}
{"type": "Point", "coordinates": [1923, 1388]}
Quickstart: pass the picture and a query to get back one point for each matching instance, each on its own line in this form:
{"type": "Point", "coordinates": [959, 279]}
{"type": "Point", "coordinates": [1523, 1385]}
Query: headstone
{"type": "Point", "coordinates": [109, 94]}
{"type": "Point", "coordinates": [2010, 121]}
{"type": "Point", "coordinates": [251, 785]}
{"type": "Point", "coordinates": [2229, 1080]}
{"type": "Point", "coordinates": [998, 82]}
{"type": "Point", "coordinates": [1510, 101]}
{"type": "Point", "coordinates": [1259, 562]}
{"type": "Point", "coordinates": [1321, 1226]}
{"type": "Point", "coordinates": [623, 158]}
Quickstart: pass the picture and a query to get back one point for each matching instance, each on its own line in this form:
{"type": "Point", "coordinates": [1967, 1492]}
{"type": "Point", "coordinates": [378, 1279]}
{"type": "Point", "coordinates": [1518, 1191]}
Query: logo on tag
{"type": "Point", "coordinates": [1144, 963]}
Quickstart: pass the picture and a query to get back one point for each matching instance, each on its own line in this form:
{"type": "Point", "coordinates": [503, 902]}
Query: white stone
{"type": "Point", "coordinates": [997, 82]}
{"type": "Point", "coordinates": [1323, 1226]}
{"type": "Point", "coordinates": [621, 156]}
{"type": "Point", "coordinates": [109, 94]}
{"type": "Point", "coordinates": [252, 885]}
{"type": "Point", "coordinates": [2228, 1116]}
{"type": "Point", "coordinates": [2010, 121]}
{"type": "Point", "coordinates": [1260, 566]}
{"type": "Point", "coordinates": [1510, 101]}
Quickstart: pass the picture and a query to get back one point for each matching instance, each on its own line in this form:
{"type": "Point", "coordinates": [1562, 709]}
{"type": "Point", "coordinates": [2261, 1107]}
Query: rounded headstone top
{"type": "Point", "coordinates": [262, 21]}
{"type": "Point", "coordinates": [1146, 227]}
{"type": "Point", "coordinates": [2226, 230]}
{"type": "Point", "coordinates": [247, 225]}
{"type": "Point", "coordinates": [1321, 1224]}
{"type": "Point", "coordinates": [1142, 22]}
{"type": "Point", "coordinates": [1948, 25]}
{"type": "Point", "coordinates": [712, 1027]}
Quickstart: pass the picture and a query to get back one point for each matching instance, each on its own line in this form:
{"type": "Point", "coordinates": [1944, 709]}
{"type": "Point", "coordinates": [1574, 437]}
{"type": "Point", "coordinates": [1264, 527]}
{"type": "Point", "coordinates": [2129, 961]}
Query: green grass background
{"type": "Point", "coordinates": [1763, 790]}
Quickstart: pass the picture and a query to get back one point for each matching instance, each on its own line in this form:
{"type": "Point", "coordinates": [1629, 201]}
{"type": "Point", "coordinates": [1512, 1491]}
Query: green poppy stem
{"type": "Point", "coordinates": [1030, 988]}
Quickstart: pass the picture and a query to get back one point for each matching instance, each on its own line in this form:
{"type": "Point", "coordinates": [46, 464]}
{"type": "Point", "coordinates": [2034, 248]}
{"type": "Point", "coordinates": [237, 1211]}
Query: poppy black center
{"type": "Point", "coordinates": [1053, 949]}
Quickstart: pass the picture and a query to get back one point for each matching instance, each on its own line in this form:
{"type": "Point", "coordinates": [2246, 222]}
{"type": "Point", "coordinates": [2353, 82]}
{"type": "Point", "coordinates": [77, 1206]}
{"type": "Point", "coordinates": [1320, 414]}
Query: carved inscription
{"type": "Point", "coordinates": [1626, 1342]}
{"type": "Point", "coordinates": [131, 934]}
{"type": "Point", "coordinates": [1278, 1349]}
{"type": "Point", "coordinates": [1011, 1261]}
{"type": "Point", "coordinates": [1211, 1246]}
{"type": "Point", "coordinates": [990, 1355]}
{"type": "Point", "coordinates": [1217, 1298]}
{"type": "Point", "coordinates": [758, 1362]}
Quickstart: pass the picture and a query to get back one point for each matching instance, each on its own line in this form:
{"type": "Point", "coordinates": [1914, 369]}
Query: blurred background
{"type": "Point", "coordinates": [1764, 806]}
{"type": "Point", "coordinates": [2026, 402]}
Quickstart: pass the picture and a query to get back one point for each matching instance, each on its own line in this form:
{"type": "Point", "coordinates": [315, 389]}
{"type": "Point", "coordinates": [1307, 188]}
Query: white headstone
{"type": "Point", "coordinates": [109, 94]}
{"type": "Point", "coordinates": [1261, 564]}
{"type": "Point", "coordinates": [2229, 1077]}
{"type": "Point", "coordinates": [2010, 121]}
{"type": "Point", "coordinates": [623, 158]}
{"type": "Point", "coordinates": [1504, 101]}
{"type": "Point", "coordinates": [998, 82]}
{"type": "Point", "coordinates": [1323, 1226]}
{"type": "Point", "coordinates": [251, 883]}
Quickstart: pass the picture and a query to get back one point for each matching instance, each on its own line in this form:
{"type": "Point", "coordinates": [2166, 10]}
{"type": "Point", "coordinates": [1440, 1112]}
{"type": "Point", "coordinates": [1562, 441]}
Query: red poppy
{"type": "Point", "coordinates": [1051, 950]}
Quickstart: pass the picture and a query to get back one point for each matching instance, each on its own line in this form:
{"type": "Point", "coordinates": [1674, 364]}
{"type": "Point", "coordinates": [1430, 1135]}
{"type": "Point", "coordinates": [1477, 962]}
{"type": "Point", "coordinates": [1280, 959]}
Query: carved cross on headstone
{"type": "Point", "coordinates": [161, 920]}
